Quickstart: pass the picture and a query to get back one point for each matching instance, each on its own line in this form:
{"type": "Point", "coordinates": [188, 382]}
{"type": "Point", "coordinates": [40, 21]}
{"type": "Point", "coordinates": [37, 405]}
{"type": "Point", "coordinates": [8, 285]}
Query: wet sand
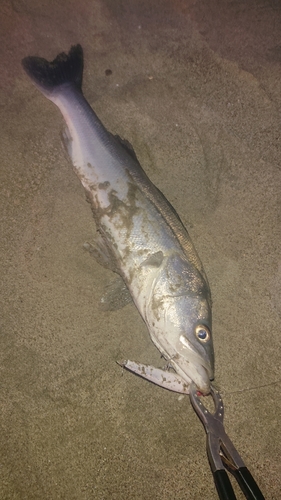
{"type": "Point", "coordinates": [195, 87]}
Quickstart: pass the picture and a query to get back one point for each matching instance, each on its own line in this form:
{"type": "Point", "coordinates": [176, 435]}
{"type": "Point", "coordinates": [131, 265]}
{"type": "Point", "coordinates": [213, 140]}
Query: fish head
{"type": "Point", "coordinates": [179, 319]}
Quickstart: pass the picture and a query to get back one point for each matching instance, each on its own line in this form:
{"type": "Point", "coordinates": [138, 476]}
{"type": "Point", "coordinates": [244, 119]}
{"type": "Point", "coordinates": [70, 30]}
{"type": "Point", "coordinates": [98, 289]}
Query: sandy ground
{"type": "Point", "coordinates": [195, 87]}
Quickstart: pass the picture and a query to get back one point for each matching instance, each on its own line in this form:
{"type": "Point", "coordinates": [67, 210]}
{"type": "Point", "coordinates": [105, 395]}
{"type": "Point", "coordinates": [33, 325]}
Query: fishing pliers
{"type": "Point", "coordinates": [221, 451]}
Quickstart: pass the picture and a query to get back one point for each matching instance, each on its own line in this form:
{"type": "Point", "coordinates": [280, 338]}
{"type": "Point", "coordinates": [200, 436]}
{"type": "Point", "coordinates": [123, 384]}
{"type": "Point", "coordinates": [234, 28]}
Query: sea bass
{"type": "Point", "coordinates": [139, 234]}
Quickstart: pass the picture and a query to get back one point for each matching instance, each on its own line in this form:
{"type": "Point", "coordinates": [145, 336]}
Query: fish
{"type": "Point", "coordinates": [139, 235]}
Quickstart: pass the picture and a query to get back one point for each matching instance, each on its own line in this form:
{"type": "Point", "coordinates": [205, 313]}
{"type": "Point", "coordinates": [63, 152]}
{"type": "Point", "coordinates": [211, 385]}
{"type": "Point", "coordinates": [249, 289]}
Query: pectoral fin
{"type": "Point", "coordinates": [154, 260]}
{"type": "Point", "coordinates": [101, 253]}
{"type": "Point", "coordinates": [116, 295]}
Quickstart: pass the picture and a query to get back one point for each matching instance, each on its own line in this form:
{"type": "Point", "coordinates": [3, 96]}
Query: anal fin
{"type": "Point", "coordinates": [66, 140]}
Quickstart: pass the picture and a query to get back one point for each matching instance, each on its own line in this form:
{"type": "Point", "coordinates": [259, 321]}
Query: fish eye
{"type": "Point", "coordinates": [202, 333]}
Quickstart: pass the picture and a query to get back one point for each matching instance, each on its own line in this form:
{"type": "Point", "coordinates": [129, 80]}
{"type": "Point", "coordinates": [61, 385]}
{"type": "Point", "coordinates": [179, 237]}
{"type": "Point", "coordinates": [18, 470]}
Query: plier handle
{"type": "Point", "coordinates": [221, 451]}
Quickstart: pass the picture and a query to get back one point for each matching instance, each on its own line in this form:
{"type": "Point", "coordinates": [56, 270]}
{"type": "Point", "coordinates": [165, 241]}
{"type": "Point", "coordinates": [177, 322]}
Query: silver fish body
{"type": "Point", "coordinates": [140, 235]}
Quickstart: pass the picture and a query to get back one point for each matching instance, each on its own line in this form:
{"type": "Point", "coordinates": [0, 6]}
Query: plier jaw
{"type": "Point", "coordinates": [221, 451]}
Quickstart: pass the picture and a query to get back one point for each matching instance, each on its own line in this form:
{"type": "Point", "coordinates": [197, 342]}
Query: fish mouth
{"type": "Point", "coordinates": [194, 365]}
{"type": "Point", "coordinates": [202, 380]}
{"type": "Point", "coordinates": [188, 363]}
{"type": "Point", "coordinates": [191, 372]}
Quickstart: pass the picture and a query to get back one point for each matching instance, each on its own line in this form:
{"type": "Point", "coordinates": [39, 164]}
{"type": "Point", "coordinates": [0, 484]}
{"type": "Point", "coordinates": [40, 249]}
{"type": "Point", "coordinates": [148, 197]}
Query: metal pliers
{"type": "Point", "coordinates": [222, 453]}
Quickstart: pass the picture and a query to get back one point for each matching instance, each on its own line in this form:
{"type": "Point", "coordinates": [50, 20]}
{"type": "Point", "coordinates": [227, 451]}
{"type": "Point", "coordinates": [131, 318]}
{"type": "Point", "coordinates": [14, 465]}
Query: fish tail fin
{"type": "Point", "coordinates": [64, 69]}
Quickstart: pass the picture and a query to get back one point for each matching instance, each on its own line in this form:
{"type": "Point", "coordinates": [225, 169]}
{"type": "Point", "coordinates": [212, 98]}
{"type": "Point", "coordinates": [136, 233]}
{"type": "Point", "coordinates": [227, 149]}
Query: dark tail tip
{"type": "Point", "coordinates": [64, 68]}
